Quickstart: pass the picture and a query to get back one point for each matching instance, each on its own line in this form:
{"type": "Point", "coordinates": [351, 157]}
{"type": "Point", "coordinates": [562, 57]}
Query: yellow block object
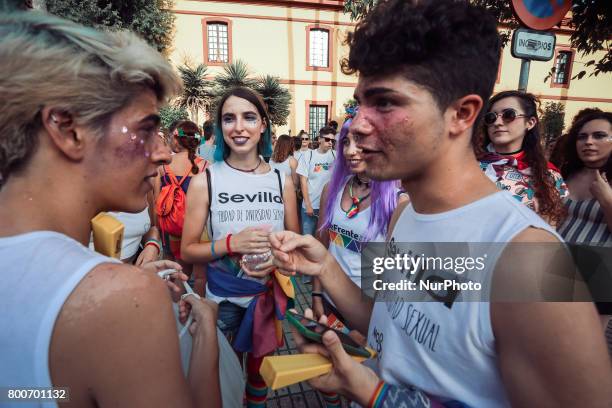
{"type": "Point", "coordinates": [107, 234]}
{"type": "Point", "coordinates": [282, 371]}
{"type": "Point", "coordinates": [285, 284]}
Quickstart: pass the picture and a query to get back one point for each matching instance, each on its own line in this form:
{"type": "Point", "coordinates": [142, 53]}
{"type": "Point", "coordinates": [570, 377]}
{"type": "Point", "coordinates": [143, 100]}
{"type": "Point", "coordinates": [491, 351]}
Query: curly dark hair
{"type": "Point", "coordinates": [572, 163]}
{"type": "Point", "coordinates": [189, 141]}
{"type": "Point", "coordinates": [557, 155]}
{"type": "Point", "coordinates": [450, 47]}
{"type": "Point", "coordinates": [549, 200]}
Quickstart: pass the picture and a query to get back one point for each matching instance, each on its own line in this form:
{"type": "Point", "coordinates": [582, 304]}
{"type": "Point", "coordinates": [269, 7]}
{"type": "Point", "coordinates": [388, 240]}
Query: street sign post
{"type": "Point", "coordinates": [531, 45]}
{"type": "Point", "coordinates": [536, 45]}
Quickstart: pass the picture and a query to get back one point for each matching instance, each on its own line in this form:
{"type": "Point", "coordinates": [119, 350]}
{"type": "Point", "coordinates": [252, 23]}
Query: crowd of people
{"type": "Point", "coordinates": [238, 213]}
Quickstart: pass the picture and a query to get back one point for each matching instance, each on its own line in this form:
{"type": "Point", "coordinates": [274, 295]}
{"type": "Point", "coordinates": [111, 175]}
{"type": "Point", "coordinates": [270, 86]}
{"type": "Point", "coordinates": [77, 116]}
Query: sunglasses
{"type": "Point", "coordinates": [328, 139]}
{"type": "Point", "coordinates": [507, 115]}
{"type": "Point", "coordinates": [305, 138]}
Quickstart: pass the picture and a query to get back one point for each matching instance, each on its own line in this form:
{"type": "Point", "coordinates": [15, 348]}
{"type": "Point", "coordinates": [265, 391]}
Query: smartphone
{"type": "Point", "coordinates": [313, 331]}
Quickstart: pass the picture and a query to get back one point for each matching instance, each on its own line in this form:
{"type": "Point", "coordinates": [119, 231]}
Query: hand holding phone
{"type": "Point", "coordinates": [346, 375]}
{"type": "Point", "coordinates": [313, 331]}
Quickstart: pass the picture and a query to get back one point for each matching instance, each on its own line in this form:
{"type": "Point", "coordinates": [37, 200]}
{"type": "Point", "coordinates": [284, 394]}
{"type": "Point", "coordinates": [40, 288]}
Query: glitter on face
{"type": "Point", "coordinates": [124, 129]}
{"type": "Point", "coordinates": [133, 136]}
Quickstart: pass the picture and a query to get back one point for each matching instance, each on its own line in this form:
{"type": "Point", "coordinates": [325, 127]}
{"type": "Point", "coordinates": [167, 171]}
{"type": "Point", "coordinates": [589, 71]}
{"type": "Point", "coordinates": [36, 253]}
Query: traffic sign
{"type": "Point", "coordinates": [540, 14]}
{"type": "Point", "coordinates": [533, 45]}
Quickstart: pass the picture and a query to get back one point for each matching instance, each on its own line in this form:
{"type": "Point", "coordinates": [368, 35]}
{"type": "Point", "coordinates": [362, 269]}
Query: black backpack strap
{"type": "Point", "coordinates": [209, 185]}
{"type": "Point", "coordinates": [280, 184]}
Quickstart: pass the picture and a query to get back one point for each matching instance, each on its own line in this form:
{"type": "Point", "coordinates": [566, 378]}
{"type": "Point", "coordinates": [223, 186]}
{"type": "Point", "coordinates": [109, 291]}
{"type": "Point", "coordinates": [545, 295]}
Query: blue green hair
{"type": "Point", "coordinates": [264, 147]}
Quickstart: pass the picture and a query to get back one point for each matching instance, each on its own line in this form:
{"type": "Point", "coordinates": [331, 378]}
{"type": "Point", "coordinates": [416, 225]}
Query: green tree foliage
{"type": "Point", "coordinates": [234, 74]}
{"type": "Point", "coordinates": [276, 97]}
{"type": "Point", "coordinates": [197, 90]}
{"type": "Point", "coordinates": [592, 20]}
{"type": "Point", "coordinates": [551, 122]}
{"type": "Point", "coordinates": [171, 114]}
{"type": "Point", "coordinates": [151, 19]}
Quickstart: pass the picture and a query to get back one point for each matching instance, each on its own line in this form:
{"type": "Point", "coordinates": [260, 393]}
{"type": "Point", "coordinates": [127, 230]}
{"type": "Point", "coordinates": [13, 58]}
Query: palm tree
{"type": "Point", "coordinates": [234, 74]}
{"type": "Point", "coordinates": [197, 92]}
{"type": "Point", "coordinates": [276, 97]}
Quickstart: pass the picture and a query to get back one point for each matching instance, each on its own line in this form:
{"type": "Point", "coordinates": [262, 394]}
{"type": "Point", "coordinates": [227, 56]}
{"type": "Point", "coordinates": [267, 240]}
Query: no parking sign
{"type": "Point", "coordinates": [540, 14]}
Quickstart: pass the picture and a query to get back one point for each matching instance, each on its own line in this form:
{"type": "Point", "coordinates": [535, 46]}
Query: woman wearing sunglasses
{"type": "Point", "coordinates": [513, 157]}
{"type": "Point", "coordinates": [303, 147]}
{"type": "Point", "coordinates": [587, 167]}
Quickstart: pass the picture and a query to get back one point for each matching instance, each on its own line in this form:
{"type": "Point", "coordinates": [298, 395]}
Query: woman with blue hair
{"type": "Point", "coordinates": [240, 199]}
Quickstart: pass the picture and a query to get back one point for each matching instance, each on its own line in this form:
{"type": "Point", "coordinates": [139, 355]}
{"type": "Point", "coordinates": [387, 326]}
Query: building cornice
{"type": "Point", "coordinates": [331, 5]}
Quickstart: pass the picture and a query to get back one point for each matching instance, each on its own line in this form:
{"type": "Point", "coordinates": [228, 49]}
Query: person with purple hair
{"type": "Point", "coordinates": [348, 218]}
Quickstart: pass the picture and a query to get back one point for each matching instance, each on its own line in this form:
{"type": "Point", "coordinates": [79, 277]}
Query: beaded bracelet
{"type": "Point", "coordinates": [379, 395]}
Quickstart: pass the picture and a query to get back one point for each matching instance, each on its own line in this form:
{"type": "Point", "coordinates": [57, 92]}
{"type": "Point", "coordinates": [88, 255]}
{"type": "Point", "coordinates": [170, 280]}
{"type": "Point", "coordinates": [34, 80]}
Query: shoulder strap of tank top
{"type": "Point", "coordinates": [209, 185]}
{"type": "Point", "coordinates": [280, 183]}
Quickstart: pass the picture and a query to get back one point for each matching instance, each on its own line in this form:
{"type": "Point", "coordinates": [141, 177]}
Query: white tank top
{"type": "Point", "coordinates": [346, 237]}
{"type": "Point", "coordinates": [283, 167]}
{"type": "Point", "coordinates": [39, 271]}
{"type": "Point", "coordinates": [448, 352]}
{"type": "Point", "coordinates": [241, 200]}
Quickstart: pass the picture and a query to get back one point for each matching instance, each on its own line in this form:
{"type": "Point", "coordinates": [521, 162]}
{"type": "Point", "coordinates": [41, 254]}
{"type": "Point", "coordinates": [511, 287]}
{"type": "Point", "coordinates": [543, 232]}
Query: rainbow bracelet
{"type": "Point", "coordinates": [379, 395]}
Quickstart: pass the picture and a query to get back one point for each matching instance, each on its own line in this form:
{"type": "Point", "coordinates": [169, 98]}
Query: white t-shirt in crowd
{"type": "Point", "coordinates": [207, 152]}
{"type": "Point", "coordinates": [283, 167]}
{"type": "Point", "coordinates": [317, 168]}
{"type": "Point", "coordinates": [346, 239]}
{"type": "Point", "coordinates": [299, 153]}
{"type": "Point", "coordinates": [240, 200]}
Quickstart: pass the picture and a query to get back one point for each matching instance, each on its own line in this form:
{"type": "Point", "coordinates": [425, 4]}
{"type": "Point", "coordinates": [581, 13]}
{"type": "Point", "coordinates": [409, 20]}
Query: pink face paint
{"type": "Point", "coordinates": [133, 147]}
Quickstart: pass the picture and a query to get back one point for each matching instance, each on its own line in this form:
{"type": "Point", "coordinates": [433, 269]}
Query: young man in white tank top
{"type": "Point", "coordinates": [76, 105]}
{"type": "Point", "coordinates": [419, 102]}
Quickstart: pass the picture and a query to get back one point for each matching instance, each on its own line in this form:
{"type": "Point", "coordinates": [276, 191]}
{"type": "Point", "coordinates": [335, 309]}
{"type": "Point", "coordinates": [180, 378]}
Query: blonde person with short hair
{"type": "Point", "coordinates": [79, 118]}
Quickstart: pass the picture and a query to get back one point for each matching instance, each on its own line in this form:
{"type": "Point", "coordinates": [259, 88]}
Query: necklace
{"type": "Point", "coordinates": [244, 171]}
{"type": "Point", "coordinates": [354, 209]}
{"type": "Point", "coordinates": [511, 153]}
{"type": "Point", "coordinates": [361, 182]}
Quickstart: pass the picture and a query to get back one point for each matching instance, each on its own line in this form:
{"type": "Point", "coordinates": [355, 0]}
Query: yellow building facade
{"type": "Point", "coordinates": [301, 42]}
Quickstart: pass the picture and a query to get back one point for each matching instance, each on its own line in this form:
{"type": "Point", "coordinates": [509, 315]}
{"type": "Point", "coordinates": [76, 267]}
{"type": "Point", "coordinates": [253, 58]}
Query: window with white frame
{"type": "Point", "coordinates": [317, 118]}
{"type": "Point", "coordinates": [217, 42]}
{"type": "Point", "coordinates": [562, 67]}
{"type": "Point", "coordinates": [319, 48]}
